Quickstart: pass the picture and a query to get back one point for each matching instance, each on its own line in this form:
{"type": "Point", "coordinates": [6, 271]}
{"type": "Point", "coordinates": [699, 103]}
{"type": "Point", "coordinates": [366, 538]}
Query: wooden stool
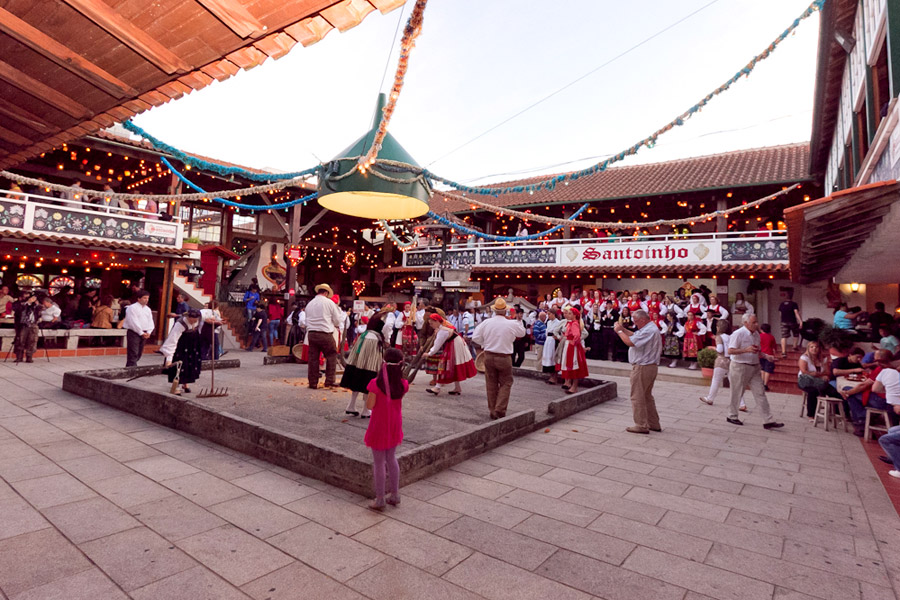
{"type": "Point", "coordinates": [830, 410]}
{"type": "Point", "coordinates": [803, 404]}
{"type": "Point", "coordinates": [885, 417]}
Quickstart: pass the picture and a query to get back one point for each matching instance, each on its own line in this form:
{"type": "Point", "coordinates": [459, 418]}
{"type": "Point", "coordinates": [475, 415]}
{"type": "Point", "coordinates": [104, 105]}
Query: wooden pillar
{"type": "Point", "coordinates": [165, 300]}
{"type": "Point", "coordinates": [291, 281]}
{"type": "Point", "coordinates": [721, 221]}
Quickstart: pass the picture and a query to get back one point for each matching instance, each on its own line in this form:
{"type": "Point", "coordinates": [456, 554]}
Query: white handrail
{"type": "Point", "coordinates": [723, 236]}
{"type": "Point", "coordinates": [52, 202]}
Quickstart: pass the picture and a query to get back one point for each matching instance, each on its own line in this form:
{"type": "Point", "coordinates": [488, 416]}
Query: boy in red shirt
{"type": "Point", "coordinates": [766, 346]}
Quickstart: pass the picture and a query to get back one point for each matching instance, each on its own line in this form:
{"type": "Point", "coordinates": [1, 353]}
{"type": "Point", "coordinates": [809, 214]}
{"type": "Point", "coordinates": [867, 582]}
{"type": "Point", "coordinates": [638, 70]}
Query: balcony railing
{"type": "Point", "coordinates": [30, 213]}
{"type": "Point", "coordinates": [696, 249]}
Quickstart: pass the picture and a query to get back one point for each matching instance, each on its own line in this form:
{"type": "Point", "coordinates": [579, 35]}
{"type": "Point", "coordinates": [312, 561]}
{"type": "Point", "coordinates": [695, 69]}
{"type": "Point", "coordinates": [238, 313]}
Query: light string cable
{"type": "Point", "coordinates": [511, 238]}
{"type": "Point", "coordinates": [648, 142]}
{"type": "Point", "coordinates": [410, 32]}
{"type": "Point", "coordinates": [617, 225]}
{"type": "Point", "coordinates": [259, 189]}
{"type": "Point", "coordinates": [214, 167]}
{"type": "Point", "coordinates": [253, 207]}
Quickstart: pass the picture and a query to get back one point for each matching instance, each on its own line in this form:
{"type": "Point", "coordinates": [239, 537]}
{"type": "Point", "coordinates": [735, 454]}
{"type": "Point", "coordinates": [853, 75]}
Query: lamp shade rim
{"type": "Point", "coordinates": [375, 205]}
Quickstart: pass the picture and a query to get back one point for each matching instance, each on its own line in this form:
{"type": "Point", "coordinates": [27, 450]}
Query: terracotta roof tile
{"type": "Point", "coordinates": [759, 166]}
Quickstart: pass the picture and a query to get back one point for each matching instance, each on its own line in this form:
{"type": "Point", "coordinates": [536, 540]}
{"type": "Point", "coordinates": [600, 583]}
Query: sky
{"type": "Point", "coordinates": [479, 62]}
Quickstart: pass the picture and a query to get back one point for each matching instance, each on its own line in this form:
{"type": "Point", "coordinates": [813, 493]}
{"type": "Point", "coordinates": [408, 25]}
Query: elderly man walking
{"type": "Point", "coordinates": [743, 348]}
{"type": "Point", "coordinates": [644, 347]}
{"type": "Point", "coordinates": [496, 336]}
{"type": "Point", "coordinates": [323, 318]}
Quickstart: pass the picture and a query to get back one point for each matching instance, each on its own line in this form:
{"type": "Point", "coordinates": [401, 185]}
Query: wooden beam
{"type": "Point", "coordinates": [278, 218]}
{"type": "Point", "coordinates": [14, 138]}
{"type": "Point", "coordinates": [25, 118]}
{"type": "Point", "coordinates": [311, 222]}
{"type": "Point", "coordinates": [42, 92]}
{"type": "Point", "coordinates": [236, 17]}
{"type": "Point", "coordinates": [63, 56]}
{"type": "Point", "coordinates": [129, 34]}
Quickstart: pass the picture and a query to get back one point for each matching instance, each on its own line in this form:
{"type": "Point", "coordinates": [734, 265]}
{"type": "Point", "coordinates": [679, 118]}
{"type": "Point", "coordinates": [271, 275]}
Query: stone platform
{"type": "Point", "coordinates": [271, 414]}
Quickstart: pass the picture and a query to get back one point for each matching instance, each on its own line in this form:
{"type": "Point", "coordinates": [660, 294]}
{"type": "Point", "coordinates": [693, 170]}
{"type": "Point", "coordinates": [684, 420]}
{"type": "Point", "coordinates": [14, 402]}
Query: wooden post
{"type": "Point", "coordinates": [165, 301]}
{"type": "Point", "coordinates": [291, 281]}
{"type": "Point", "coordinates": [721, 221]}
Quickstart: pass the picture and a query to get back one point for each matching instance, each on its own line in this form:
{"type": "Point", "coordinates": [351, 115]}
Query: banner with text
{"type": "Point", "coordinates": [625, 254]}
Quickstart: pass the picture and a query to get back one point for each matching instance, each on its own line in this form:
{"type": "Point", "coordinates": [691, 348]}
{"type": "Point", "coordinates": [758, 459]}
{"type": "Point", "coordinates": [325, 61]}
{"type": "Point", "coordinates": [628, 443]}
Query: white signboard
{"type": "Point", "coordinates": [624, 254]}
{"type": "Point", "coordinates": [161, 229]}
{"type": "Point", "coordinates": [359, 306]}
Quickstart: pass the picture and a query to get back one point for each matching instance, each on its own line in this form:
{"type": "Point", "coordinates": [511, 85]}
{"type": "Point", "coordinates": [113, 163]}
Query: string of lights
{"type": "Point", "coordinates": [617, 225]}
{"type": "Point", "coordinates": [509, 238]}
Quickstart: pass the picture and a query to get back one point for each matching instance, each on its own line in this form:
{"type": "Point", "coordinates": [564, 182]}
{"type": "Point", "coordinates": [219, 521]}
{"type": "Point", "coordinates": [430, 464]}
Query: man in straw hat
{"type": "Point", "coordinates": [496, 336]}
{"type": "Point", "coordinates": [323, 318]}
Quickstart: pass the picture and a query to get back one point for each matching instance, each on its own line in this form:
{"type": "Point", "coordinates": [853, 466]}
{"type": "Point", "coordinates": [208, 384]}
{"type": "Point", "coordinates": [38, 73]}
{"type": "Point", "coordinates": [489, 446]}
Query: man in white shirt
{"type": "Point", "coordinates": [496, 336]}
{"type": "Point", "coordinates": [51, 313]}
{"type": "Point", "coordinates": [888, 383]}
{"type": "Point", "coordinates": [323, 318]}
{"type": "Point", "coordinates": [644, 349]}
{"type": "Point", "coordinates": [138, 324]}
{"type": "Point", "coordinates": [743, 349]}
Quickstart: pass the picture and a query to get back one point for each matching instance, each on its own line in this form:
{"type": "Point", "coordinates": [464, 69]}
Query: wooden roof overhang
{"type": "Point", "coordinates": [69, 68]}
{"type": "Point", "coordinates": [837, 16]}
{"type": "Point", "coordinates": [824, 236]}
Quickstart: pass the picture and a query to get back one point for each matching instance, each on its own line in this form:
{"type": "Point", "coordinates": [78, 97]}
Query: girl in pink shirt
{"type": "Point", "coordinates": [385, 431]}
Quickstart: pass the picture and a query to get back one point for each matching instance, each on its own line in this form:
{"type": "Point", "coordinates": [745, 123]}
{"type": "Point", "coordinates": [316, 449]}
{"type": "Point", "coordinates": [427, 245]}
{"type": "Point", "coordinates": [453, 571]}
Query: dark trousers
{"type": "Point", "coordinates": [608, 339]}
{"type": "Point", "coordinates": [518, 355]}
{"type": "Point", "coordinates": [260, 334]}
{"type": "Point", "coordinates": [25, 342]}
{"type": "Point", "coordinates": [134, 348]}
{"type": "Point", "coordinates": [498, 378]}
{"type": "Point", "coordinates": [321, 343]}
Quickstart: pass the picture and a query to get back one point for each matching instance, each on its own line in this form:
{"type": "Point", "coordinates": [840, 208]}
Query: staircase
{"type": "Point", "coordinates": [197, 298]}
{"type": "Point", "coordinates": [784, 379]}
{"type": "Point", "coordinates": [235, 319]}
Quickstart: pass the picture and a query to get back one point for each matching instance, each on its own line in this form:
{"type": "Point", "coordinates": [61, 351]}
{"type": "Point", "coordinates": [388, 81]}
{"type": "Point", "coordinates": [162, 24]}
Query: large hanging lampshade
{"type": "Point", "coordinates": [344, 189]}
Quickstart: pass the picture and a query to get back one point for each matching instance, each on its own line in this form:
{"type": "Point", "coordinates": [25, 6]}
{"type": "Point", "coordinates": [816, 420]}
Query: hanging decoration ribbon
{"type": "Point", "coordinates": [617, 225]}
{"type": "Point", "coordinates": [410, 33]}
{"type": "Point", "coordinates": [648, 142]}
{"type": "Point", "coordinates": [214, 167]}
{"type": "Point", "coordinates": [254, 207]}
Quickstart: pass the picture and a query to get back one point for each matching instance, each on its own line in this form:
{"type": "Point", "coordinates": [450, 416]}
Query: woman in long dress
{"type": "Point", "coordinates": [621, 350]}
{"type": "Point", "coordinates": [409, 340]}
{"type": "Point", "coordinates": [183, 345]}
{"type": "Point", "coordinates": [573, 362]}
{"type": "Point", "coordinates": [456, 363]}
{"type": "Point", "coordinates": [694, 330]}
{"type": "Point", "coordinates": [548, 356]}
{"type": "Point", "coordinates": [364, 362]}
{"type": "Point", "coordinates": [595, 332]}
{"type": "Point", "coordinates": [672, 334]}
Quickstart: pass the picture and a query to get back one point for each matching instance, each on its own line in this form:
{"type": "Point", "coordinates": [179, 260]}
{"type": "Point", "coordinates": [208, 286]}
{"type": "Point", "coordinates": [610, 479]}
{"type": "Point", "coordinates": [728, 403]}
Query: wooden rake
{"type": "Point", "coordinates": [212, 392]}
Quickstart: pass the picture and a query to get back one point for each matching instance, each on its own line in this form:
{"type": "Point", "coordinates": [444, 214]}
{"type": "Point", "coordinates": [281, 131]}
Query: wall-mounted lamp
{"type": "Point", "coordinates": [854, 287]}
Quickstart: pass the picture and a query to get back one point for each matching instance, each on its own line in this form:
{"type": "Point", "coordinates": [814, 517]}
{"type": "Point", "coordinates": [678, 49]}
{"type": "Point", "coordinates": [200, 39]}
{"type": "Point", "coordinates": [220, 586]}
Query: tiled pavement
{"type": "Point", "coordinates": [98, 504]}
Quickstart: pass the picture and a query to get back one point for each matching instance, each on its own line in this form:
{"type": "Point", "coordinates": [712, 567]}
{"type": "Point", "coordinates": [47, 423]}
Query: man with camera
{"type": "Point", "coordinates": [26, 311]}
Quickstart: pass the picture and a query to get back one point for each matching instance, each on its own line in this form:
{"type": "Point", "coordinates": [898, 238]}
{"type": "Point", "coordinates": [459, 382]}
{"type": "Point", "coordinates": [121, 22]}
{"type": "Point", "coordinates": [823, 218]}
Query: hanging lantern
{"type": "Point", "coordinates": [349, 189]}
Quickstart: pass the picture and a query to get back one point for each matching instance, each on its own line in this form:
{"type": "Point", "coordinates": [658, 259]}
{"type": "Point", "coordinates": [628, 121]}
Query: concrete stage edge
{"type": "Point", "coordinates": [304, 455]}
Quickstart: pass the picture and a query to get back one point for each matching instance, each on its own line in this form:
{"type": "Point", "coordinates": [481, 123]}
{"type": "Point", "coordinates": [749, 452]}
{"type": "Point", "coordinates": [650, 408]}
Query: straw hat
{"type": "Point", "coordinates": [479, 362]}
{"type": "Point", "coordinates": [326, 287]}
{"type": "Point", "coordinates": [499, 305]}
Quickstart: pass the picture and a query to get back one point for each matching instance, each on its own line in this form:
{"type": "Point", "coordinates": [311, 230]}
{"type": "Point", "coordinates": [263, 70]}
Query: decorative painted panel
{"type": "Point", "coordinates": [518, 256]}
{"type": "Point", "coordinates": [12, 215]}
{"type": "Point", "coordinates": [751, 250]}
{"type": "Point", "coordinates": [107, 226]}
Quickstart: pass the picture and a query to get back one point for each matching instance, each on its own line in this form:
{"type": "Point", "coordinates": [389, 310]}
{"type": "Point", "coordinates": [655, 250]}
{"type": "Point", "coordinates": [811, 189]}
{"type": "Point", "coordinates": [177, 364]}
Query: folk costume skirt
{"type": "Point", "coordinates": [455, 362]}
{"type": "Point", "coordinates": [364, 362]}
{"type": "Point", "coordinates": [573, 363]}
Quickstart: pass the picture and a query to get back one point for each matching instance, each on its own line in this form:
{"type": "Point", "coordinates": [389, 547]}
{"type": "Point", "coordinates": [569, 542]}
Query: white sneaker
{"type": "Point", "coordinates": [705, 400]}
{"type": "Point", "coordinates": [673, 364]}
{"type": "Point", "coordinates": [693, 367]}
{"type": "Point", "coordinates": [894, 473]}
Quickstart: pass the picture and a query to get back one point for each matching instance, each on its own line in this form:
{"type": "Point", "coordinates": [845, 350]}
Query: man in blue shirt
{"type": "Point", "coordinates": [251, 297]}
{"type": "Point", "coordinates": [644, 348]}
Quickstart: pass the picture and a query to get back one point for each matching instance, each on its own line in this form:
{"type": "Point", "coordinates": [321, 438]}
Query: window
{"type": "Point", "coordinates": [243, 223]}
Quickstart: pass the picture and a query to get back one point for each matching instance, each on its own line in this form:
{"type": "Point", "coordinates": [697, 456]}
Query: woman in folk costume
{"type": "Point", "coordinates": [654, 305]}
{"type": "Point", "coordinates": [635, 303]}
{"type": "Point", "coordinates": [572, 360]}
{"type": "Point", "coordinates": [715, 306]}
{"type": "Point", "coordinates": [364, 361]}
{"type": "Point", "coordinates": [555, 327]}
{"type": "Point", "coordinates": [739, 308]}
{"type": "Point", "coordinates": [697, 306]}
{"type": "Point", "coordinates": [668, 306]}
{"type": "Point", "coordinates": [183, 345]}
{"type": "Point", "coordinates": [595, 332]}
{"type": "Point", "coordinates": [456, 362]}
{"type": "Point", "coordinates": [672, 334]}
{"type": "Point", "coordinates": [612, 303]}
{"type": "Point", "coordinates": [694, 330]}
{"type": "Point", "coordinates": [409, 341]}
{"type": "Point", "coordinates": [620, 349]}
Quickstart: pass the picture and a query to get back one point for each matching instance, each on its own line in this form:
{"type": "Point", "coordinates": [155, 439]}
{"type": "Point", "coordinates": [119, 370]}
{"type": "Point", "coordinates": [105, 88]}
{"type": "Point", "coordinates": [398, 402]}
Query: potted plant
{"type": "Point", "coordinates": [706, 358]}
{"type": "Point", "coordinates": [191, 243]}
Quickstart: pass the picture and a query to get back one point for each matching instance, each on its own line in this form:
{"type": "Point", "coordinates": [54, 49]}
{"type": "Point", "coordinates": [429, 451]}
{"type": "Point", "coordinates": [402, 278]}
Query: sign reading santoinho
{"type": "Point", "coordinates": [624, 254]}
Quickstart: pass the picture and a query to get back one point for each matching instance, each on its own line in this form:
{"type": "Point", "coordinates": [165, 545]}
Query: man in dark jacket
{"type": "Point", "coordinates": [27, 312]}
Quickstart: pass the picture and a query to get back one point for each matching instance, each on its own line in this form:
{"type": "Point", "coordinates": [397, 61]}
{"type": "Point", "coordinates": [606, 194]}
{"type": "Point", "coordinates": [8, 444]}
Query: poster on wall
{"type": "Point", "coordinates": [272, 272]}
